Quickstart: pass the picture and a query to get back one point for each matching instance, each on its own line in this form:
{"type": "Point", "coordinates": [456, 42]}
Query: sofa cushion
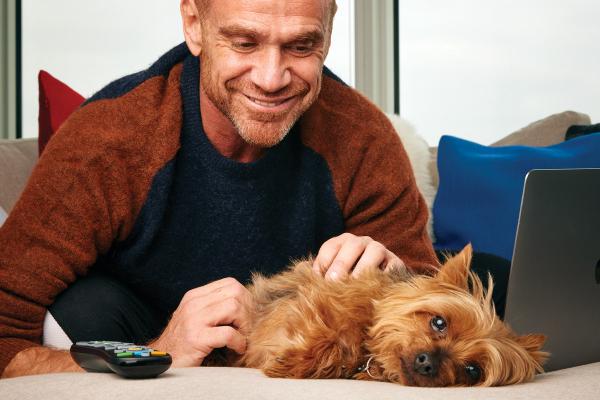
{"type": "Point", "coordinates": [480, 188]}
{"type": "Point", "coordinates": [418, 153]}
{"type": "Point", "coordinates": [581, 130]}
{"type": "Point", "coordinates": [17, 159]}
{"type": "Point", "coordinates": [544, 132]}
{"type": "Point", "coordinates": [57, 101]}
{"type": "Point", "coordinates": [241, 383]}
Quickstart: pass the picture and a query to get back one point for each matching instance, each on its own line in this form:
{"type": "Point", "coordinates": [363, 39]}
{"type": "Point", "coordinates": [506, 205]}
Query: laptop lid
{"type": "Point", "coordinates": [554, 283]}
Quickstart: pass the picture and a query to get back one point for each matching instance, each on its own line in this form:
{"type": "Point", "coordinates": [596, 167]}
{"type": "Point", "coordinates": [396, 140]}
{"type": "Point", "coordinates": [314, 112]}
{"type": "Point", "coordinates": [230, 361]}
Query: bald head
{"type": "Point", "coordinates": [330, 10]}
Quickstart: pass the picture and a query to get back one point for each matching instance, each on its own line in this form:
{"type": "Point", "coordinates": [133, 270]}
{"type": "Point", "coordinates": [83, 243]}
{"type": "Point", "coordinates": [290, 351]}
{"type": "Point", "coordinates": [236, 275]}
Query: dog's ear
{"type": "Point", "coordinates": [456, 269]}
{"type": "Point", "coordinates": [533, 344]}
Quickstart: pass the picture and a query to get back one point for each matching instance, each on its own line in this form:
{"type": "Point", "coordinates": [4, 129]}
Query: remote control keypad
{"type": "Point", "coordinates": [124, 350]}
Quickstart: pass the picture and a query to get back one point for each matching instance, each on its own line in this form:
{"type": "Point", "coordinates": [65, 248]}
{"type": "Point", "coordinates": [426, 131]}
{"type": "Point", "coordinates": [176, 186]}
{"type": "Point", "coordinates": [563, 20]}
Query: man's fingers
{"type": "Point", "coordinates": [374, 256]}
{"type": "Point", "coordinates": [346, 257]}
{"type": "Point", "coordinates": [394, 263]}
{"type": "Point", "coordinates": [230, 311]}
{"type": "Point", "coordinates": [219, 290]}
{"type": "Point", "coordinates": [224, 336]}
{"type": "Point", "coordinates": [327, 254]}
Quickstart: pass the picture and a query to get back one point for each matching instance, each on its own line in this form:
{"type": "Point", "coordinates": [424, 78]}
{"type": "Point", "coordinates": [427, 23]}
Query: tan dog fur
{"type": "Point", "coordinates": [307, 327]}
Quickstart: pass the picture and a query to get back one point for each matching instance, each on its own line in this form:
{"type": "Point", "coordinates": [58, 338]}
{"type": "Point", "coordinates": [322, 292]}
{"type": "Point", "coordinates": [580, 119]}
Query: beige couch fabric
{"type": "Point", "coordinates": [17, 158]}
{"type": "Point", "coordinates": [237, 383]}
{"type": "Point", "coordinates": [545, 132]}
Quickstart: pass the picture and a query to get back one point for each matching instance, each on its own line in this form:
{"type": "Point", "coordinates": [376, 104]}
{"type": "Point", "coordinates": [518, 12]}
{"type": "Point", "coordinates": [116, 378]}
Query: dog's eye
{"type": "Point", "coordinates": [473, 373]}
{"type": "Point", "coordinates": [438, 324]}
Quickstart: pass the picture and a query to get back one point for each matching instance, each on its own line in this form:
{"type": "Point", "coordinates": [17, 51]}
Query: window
{"type": "Point", "coordinates": [483, 69]}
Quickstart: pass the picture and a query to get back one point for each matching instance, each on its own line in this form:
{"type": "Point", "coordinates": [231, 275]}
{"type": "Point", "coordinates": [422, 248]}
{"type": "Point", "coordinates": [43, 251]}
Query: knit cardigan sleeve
{"type": "Point", "coordinates": [63, 220]}
{"type": "Point", "coordinates": [83, 196]}
{"type": "Point", "coordinates": [372, 176]}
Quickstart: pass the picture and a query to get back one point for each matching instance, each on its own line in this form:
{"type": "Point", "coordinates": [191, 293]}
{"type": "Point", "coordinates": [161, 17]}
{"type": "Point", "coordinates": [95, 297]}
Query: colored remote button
{"type": "Point", "coordinates": [125, 359]}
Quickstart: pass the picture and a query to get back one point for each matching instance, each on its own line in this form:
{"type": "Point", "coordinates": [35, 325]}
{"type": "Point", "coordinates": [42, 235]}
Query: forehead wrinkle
{"type": "Point", "coordinates": [270, 34]}
{"type": "Point", "coordinates": [328, 8]}
{"type": "Point", "coordinates": [289, 8]}
{"type": "Point", "coordinates": [274, 18]}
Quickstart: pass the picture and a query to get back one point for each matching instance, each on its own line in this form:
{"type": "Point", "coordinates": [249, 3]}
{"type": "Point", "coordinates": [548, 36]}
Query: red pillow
{"type": "Point", "coordinates": [57, 102]}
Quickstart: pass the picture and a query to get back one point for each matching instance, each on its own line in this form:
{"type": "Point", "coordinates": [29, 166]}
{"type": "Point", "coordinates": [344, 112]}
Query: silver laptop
{"type": "Point", "coordinates": [554, 284]}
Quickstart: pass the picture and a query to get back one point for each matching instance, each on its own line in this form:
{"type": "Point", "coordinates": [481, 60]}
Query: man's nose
{"type": "Point", "coordinates": [270, 71]}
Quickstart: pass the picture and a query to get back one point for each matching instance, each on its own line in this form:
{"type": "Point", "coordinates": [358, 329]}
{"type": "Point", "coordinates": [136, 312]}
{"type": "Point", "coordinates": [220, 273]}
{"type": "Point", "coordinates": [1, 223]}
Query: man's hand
{"type": "Point", "coordinates": [208, 317]}
{"type": "Point", "coordinates": [347, 253]}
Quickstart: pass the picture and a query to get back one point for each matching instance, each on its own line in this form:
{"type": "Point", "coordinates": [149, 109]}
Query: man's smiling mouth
{"type": "Point", "coordinates": [271, 103]}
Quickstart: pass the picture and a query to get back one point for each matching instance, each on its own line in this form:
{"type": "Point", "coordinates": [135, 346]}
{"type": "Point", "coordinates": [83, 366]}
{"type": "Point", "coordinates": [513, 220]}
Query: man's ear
{"type": "Point", "coordinates": [192, 26]}
{"type": "Point", "coordinates": [455, 270]}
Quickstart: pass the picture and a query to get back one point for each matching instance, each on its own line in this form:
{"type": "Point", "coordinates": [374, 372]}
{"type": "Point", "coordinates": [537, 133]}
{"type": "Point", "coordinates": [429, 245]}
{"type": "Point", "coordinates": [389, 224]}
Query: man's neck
{"type": "Point", "coordinates": [223, 134]}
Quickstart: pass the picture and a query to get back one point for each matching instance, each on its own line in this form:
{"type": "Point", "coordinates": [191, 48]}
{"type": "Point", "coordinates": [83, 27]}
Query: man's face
{"type": "Point", "coordinates": [261, 62]}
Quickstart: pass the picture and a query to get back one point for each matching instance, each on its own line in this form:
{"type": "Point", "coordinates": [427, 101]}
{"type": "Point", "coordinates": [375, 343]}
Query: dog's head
{"type": "Point", "coordinates": [443, 331]}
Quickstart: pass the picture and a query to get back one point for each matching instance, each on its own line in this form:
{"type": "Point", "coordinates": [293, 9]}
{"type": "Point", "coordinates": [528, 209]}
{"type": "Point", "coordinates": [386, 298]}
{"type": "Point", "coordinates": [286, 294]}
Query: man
{"type": "Point", "coordinates": [236, 153]}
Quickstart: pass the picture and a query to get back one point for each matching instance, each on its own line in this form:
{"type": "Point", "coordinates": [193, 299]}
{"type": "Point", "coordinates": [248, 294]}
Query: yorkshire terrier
{"type": "Point", "coordinates": [391, 326]}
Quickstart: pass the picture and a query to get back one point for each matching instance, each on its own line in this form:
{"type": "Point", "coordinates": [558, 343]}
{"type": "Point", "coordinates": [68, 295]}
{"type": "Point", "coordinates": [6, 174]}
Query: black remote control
{"type": "Point", "coordinates": [125, 359]}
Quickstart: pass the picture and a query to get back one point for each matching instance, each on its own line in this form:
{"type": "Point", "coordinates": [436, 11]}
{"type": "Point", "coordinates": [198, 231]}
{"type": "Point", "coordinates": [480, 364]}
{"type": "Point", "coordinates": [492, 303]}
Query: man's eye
{"type": "Point", "coordinates": [244, 45]}
{"type": "Point", "coordinates": [301, 48]}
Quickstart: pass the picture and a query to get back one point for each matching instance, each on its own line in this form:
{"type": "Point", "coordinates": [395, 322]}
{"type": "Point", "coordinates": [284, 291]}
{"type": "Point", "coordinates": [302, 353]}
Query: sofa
{"type": "Point", "coordinates": [17, 159]}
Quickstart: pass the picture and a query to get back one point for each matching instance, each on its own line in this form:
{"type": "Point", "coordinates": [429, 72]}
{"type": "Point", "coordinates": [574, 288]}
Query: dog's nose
{"type": "Point", "coordinates": [426, 364]}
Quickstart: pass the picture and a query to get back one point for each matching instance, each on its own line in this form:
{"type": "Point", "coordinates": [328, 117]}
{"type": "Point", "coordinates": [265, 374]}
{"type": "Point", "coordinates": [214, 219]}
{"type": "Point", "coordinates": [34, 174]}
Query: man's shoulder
{"type": "Point", "coordinates": [147, 117]}
{"type": "Point", "coordinates": [160, 69]}
{"type": "Point", "coordinates": [136, 113]}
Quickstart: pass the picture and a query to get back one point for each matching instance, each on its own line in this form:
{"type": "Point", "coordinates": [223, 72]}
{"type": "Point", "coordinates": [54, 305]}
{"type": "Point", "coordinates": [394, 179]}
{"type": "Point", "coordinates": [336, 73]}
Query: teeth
{"type": "Point", "coordinates": [266, 103]}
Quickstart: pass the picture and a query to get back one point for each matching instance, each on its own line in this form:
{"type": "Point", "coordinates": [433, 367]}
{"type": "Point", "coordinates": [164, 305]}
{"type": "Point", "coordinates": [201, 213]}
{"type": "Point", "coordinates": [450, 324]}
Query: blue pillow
{"type": "Point", "coordinates": [480, 188]}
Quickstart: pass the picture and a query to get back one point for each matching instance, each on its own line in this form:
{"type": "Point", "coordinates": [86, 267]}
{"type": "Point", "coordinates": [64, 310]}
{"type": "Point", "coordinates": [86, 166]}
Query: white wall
{"type": "Point", "coordinates": [87, 44]}
{"type": "Point", "coordinates": [482, 69]}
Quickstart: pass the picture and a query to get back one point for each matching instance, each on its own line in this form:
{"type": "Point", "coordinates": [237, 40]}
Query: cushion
{"type": "Point", "coordinates": [581, 130]}
{"type": "Point", "coordinates": [417, 150]}
{"type": "Point", "coordinates": [57, 101]}
{"type": "Point", "coordinates": [480, 188]}
{"type": "Point", "coordinates": [544, 132]}
{"type": "Point", "coordinates": [17, 158]}
{"type": "Point", "coordinates": [218, 383]}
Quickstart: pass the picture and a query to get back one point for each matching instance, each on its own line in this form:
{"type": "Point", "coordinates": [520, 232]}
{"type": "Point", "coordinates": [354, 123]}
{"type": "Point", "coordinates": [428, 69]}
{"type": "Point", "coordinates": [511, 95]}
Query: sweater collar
{"type": "Point", "coordinates": [194, 138]}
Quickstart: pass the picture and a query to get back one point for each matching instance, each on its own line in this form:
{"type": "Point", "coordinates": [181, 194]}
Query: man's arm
{"type": "Point", "coordinates": [209, 317]}
{"type": "Point", "coordinates": [372, 176]}
{"type": "Point", "coordinates": [65, 217]}
{"type": "Point", "coordinates": [40, 360]}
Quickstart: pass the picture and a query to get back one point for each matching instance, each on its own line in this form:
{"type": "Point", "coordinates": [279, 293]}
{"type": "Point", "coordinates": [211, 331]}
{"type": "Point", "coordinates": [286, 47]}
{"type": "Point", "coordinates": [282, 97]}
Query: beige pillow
{"type": "Point", "coordinates": [17, 158]}
{"type": "Point", "coordinates": [418, 153]}
{"type": "Point", "coordinates": [545, 132]}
